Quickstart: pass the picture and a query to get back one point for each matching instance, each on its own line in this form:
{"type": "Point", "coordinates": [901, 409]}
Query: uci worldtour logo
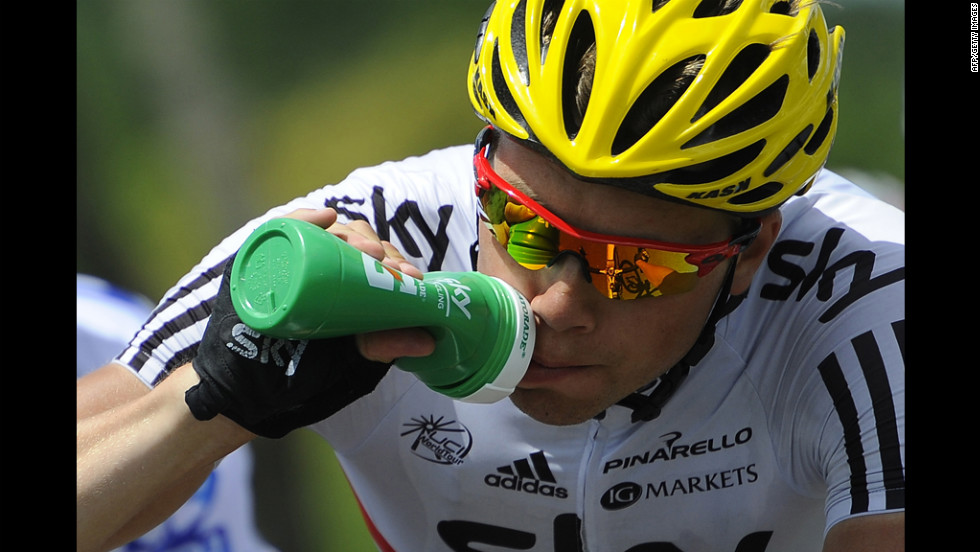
{"type": "Point", "coordinates": [673, 450]}
{"type": "Point", "coordinates": [439, 441]}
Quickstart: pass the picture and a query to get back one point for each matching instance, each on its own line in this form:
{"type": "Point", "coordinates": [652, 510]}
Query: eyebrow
{"type": "Point", "coordinates": [521, 186]}
{"type": "Point", "coordinates": [518, 182]}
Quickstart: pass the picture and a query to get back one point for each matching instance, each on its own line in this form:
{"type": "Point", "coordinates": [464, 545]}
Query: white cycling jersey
{"type": "Point", "coordinates": [794, 420]}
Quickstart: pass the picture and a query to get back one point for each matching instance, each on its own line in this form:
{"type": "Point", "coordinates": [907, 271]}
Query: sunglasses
{"type": "Point", "coordinates": [619, 267]}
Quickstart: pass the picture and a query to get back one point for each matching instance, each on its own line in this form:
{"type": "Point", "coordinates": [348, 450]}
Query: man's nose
{"type": "Point", "coordinates": [563, 296]}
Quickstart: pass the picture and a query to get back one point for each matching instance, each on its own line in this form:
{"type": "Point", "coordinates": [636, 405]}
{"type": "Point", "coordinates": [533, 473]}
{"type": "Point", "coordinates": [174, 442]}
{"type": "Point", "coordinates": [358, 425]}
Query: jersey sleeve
{"type": "Point", "coordinates": [863, 445]}
{"type": "Point", "coordinates": [416, 203]}
{"type": "Point", "coordinates": [837, 275]}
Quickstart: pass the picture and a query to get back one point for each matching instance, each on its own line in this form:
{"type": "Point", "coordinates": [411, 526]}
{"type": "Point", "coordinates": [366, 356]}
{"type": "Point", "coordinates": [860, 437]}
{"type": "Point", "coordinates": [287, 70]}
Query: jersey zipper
{"type": "Point", "coordinates": [590, 465]}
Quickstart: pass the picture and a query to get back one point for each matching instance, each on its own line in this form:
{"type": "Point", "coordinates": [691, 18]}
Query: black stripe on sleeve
{"type": "Point", "coordinates": [886, 424]}
{"type": "Point", "coordinates": [833, 379]}
{"type": "Point", "coordinates": [186, 319]}
{"type": "Point", "coordinates": [191, 315]}
{"type": "Point", "coordinates": [899, 329]}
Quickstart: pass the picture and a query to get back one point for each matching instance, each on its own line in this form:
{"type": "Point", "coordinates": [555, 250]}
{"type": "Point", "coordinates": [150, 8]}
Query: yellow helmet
{"type": "Point", "coordinates": [724, 104]}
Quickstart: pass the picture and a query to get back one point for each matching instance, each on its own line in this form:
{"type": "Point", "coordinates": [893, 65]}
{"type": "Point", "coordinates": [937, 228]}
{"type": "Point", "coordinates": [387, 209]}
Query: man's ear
{"type": "Point", "coordinates": [753, 256]}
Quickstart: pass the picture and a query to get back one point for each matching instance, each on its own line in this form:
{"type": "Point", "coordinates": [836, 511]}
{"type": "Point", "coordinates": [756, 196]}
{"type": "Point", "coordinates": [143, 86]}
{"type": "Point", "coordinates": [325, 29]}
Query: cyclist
{"type": "Point", "coordinates": [719, 361]}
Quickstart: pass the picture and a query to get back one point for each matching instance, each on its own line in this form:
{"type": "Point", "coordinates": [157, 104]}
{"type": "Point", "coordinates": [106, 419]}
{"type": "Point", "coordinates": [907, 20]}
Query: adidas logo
{"type": "Point", "coordinates": [530, 475]}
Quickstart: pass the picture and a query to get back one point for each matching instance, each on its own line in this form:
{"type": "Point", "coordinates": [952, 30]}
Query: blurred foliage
{"type": "Point", "coordinates": [195, 116]}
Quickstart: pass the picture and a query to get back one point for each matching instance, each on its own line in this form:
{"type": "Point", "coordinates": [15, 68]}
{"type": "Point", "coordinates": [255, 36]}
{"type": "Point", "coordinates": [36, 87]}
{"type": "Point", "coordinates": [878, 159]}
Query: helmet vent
{"type": "Point", "coordinates": [806, 188]}
{"type": "Point", "coordinates": [482, 32]}
{"type": "Point", "coordinates": [714, 8]}
{"type": "Point", "coordinates": [518, 41]}
{"type": "Point", "coordinates": [657, 4]}
{"type": "Point", "coordinates": [754, 112]}
{"type": "Point", "coordinates": [712, 170]}
{"type": "Point", "coordinates": [789, 151]}
{"type": "Point", "coordinates": [780, 8]}
{"type": "Point", "coordinates": [502, 91]}
{"type": "Point", "coordinates": [821, 133]}
{"type": "Point", "coordinates": [549, 18]}
{"type": "Point", "coordinates": [765, 191]}
{"type": "Point", "coordinates": [654, 102]}
{"type": "Point", "coordinates": [576, 83]}
{"type": "Point", "coordinates": [741, 68]}
{"type": "Point", "coordinates": [812, 54]}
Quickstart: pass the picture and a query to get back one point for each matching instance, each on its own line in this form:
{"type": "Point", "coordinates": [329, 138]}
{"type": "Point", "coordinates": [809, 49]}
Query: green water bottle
{"type": "Point", "coordinates": [292, 279]}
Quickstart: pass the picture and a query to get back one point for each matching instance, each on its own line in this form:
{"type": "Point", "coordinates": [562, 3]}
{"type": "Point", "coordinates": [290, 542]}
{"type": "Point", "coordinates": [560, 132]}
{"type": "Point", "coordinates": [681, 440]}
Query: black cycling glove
{"type": "Point", "coordinates": [272, 386]}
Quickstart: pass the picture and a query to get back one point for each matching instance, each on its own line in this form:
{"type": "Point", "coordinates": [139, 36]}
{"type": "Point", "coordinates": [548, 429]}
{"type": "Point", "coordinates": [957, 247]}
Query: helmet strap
{"type": "Point", "coordinates": [648, 407]}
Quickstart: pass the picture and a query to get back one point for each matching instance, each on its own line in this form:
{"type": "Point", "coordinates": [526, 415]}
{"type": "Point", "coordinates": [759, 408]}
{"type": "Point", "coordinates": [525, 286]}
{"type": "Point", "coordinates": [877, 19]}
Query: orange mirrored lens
{"type": "Point", "coordinates": [617, 271]}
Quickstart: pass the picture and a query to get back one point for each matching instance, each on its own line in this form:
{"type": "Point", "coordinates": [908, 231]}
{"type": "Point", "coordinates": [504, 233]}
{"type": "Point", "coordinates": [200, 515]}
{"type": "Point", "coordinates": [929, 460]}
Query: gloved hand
{"type": "Point", "coordinates": [271, 386]}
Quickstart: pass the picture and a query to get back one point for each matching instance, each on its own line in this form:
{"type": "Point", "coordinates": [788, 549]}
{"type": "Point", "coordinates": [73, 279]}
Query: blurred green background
{"type": "Point", "coordinates": [194, 116]}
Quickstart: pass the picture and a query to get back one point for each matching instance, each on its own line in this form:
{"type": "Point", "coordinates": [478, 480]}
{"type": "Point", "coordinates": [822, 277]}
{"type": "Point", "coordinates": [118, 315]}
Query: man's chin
{"type": "Point", "coordinates": [548, 408]}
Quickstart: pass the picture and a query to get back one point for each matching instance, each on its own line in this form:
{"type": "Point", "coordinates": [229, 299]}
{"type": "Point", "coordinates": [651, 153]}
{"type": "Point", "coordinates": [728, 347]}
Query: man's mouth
{"type": "Point", "coordinates": [544, 372]}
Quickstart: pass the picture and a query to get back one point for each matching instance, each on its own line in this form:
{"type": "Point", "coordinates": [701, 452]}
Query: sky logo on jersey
{"type": "Point", "coordinates": [531, 475]}
{"type": "Point", "coordinates": [439, 440]}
